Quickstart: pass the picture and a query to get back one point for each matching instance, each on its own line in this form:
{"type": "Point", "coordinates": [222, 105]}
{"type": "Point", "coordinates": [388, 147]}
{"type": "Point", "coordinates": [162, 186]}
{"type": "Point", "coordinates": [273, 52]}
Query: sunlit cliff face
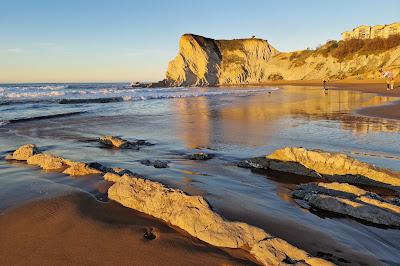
{"type": "Point", "coordinates": [249, 118]}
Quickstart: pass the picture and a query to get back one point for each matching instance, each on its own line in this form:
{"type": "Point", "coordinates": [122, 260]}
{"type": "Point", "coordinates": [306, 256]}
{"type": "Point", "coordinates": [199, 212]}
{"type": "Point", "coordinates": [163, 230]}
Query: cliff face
{"type": "Point", "coordinates": [206, 62]}
{"type": "Point", "coordinates": [300, 66]}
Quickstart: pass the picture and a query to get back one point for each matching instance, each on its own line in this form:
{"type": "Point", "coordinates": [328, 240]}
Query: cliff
{"type": "Point", "coordinates": [207, 62]}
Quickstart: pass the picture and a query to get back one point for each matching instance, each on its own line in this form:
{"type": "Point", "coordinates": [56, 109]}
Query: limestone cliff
{"type": "Point", "coordinates": [207, 62]}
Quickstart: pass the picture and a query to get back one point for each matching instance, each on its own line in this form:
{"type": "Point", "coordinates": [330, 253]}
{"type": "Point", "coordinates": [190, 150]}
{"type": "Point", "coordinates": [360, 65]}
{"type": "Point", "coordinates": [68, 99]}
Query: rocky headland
{"type": "Point", "coordinates": [204, 61]}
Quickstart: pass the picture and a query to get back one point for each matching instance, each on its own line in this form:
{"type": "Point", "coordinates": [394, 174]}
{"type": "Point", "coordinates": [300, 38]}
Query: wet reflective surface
{"type": "Point", "coordinates": [232, 127]}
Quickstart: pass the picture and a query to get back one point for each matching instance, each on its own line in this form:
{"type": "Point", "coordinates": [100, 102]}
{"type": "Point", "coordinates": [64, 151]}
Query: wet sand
{"type": "Point", "coordinates": [75, 229]}
{"type": "Point", "coordinates": [390, 111]}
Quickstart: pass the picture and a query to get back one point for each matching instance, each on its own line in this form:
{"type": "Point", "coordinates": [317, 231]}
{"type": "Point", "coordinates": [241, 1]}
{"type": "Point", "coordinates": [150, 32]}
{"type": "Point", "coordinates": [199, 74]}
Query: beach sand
{"type": "Point", "coordinates": [75, 229]}
{"type": "Point", "coordinates": [390, 111]}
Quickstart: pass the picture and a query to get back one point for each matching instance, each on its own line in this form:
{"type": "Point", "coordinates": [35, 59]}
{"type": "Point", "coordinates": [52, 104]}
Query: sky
{"type": "Point", "coordinates": [122, 40]}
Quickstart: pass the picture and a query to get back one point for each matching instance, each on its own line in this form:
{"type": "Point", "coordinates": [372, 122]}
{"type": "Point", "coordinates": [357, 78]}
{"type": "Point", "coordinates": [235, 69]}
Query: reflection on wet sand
{"type": "Point", "coordinates": [253, 115]}
{"type": "Point", "coordinates": [195, 132]}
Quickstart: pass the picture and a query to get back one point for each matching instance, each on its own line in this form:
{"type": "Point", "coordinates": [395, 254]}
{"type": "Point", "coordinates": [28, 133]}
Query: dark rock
{"type": "Point", "coordinates": [155, 163]}
{"type": "Point", "coordinates": [200, 156]}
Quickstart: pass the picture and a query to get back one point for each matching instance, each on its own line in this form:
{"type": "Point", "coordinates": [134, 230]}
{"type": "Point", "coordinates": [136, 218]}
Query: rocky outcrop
{"type": "Point", "coordinates": [155, 163]}
{"type": "Point", "coordinates": [190, 213]}
{"type": "Point", "coordinates": [23, 152]}
{"type": "Point", "coordinates": [200, 156]}
{"type": "Point", "coordinates": [47, 161]}
{"type": "Point", "coordinates": [206, 62]}
{"type": "Point", "coordinates": [194, 215]}
{"type": "Point", "coordinates": [114, 141]}
{"type": "Point", "coordinates": [327, 165]}
{"type": "Point", "coordinates": [80, 169]}
{"type": "Point", "coordinates": [350, 200]}
{"type": "Point", "coordinates": [203, 61]}
{"type": "Point", "coordinates": [119, 143]}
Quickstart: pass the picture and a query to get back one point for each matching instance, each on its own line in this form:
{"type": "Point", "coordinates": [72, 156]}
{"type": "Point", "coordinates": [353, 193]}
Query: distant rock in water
{"type": "Point", "coordinates": [155, 163]}
{"type": "Point", "coordinates": [114, 141]}
{"type": "Point", "coordinates": [117, 142]}
{"type": "Point", "coordinates": [200, 156]}
{"type": "Point", "coordinates": [326, 165]}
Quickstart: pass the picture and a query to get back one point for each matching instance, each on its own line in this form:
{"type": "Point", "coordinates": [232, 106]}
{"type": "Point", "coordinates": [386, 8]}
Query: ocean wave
{"type": "Point", "coordinates": [31, 87]}
{"type": "Point", "coordinates": [91, 100]}
{"type": "Point", "coordinates": [42, 117]}
{"type": "Point", "coordinates": [106, 93]}
{"type": "Point", "coordinates": [15, 95]}
{"type": "Point", "coordinates": [4, 122]}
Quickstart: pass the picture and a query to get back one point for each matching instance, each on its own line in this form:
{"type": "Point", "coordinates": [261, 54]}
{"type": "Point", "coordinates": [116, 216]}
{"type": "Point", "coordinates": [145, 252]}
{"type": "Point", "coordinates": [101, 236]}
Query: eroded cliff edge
{"type": "Point", "coordinates": [206, 62]}
{"type": "Point", "coordinates": [203, 61]}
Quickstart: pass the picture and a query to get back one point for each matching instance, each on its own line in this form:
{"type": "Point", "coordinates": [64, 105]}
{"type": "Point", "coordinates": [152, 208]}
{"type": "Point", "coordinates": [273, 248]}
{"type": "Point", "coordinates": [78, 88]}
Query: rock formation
{"type": "Point", "coordinates": [46, 161]}
{"type": "Point", "coordinates": [114, 141]}
{"type": "Point", "coordinates": [350, 200]}
{"type": "Point", "coordinates": [327, 165]}
{"type": "Point", "coordinates": [23, 152]}
{"type": "Point", "coordinates": [155, 163]}
{"type": "Point", "coordinates": [194, 215]}
{"type": "Point", "coordinates": [119, 143]}
{"type": "Point", "coordinates": [206, 62]}
{"type": "Point", "coordinates": [190, 213]}
{"type": "Point", "coordinates": [203, 61]}
{"type": "Point", "coordinates": [200, 156]}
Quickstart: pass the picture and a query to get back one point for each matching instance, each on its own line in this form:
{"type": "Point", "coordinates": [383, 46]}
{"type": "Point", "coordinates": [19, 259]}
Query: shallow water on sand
{"type": "Point", "coordinates": [232, 124]}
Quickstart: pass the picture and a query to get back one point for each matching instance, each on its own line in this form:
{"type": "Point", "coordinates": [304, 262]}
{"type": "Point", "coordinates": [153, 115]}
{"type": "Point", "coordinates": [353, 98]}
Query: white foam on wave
{"type": "Point", "coordinates": [18, 95]}
{"type": "Point", "coordinates": [4, 122]}
{"type": "Point", "coordinates": [127, 94]}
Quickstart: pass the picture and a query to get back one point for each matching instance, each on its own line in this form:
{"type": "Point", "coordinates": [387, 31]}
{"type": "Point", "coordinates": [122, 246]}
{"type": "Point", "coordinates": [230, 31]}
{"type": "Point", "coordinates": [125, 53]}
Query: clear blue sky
{"type": "Point", "coordinates": [100, 40]}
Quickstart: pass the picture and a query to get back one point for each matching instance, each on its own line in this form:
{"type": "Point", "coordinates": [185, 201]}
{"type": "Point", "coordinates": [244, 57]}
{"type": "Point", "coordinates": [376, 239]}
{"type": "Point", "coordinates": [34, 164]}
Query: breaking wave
{"type": "Point", "coordinates": [34, 118]}
{"type": "Point", "coordinates": [89, 93]}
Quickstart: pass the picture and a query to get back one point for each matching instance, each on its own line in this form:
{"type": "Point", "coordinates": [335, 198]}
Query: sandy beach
{"type": "Point", "coordinates": [389, 111]}
{"type": "Point", "coordinates": [75, 229]}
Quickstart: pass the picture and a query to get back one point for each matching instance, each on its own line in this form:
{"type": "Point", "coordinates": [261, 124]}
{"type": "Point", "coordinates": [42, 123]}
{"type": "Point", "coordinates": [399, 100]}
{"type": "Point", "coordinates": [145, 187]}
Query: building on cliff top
{"type": "Point", "coordinates": [371, 32]}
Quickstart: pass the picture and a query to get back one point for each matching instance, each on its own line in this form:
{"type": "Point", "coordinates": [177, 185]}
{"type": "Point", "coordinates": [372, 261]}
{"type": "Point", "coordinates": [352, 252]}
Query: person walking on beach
{"type": "Point", "coordinates": [388, 75]}
{"type": "Point", "coordinates": [325, 88]}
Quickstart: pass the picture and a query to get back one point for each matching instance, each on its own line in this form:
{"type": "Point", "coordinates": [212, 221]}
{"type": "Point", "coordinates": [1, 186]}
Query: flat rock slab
{"type": "Point", "coordinates": [326, 165]}
{"type": "Point", "coordinates": [194, 215]}
{"type": "Point", "coordinates": [350, 200]}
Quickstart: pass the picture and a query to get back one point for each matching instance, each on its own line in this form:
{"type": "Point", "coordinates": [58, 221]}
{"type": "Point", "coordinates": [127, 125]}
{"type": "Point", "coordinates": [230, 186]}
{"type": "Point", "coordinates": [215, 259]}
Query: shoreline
{"type": "Point", "coordinates": [386, 111]}
{"type": "Point", "coordinates": [108, 234]}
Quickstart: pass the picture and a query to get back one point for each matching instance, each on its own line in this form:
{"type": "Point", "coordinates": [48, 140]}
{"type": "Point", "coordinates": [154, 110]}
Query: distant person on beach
{"type": "Point", "coordinates": [388, 75]}
{"type": "Point", "coordinates": [325, 88]}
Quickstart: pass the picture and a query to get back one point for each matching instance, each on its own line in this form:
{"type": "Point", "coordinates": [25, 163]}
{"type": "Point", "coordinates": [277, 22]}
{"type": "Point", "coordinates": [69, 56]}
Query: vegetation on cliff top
{"type": "Point", "coordinates": [345, 49]}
